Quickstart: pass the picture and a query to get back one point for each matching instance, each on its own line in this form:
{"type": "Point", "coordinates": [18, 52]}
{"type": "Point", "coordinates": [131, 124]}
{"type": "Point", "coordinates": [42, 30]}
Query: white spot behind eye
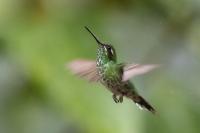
{"type": "Point", "coordinates": [105, 50]}
{"type": "Point", "coordinates": [111, 50]}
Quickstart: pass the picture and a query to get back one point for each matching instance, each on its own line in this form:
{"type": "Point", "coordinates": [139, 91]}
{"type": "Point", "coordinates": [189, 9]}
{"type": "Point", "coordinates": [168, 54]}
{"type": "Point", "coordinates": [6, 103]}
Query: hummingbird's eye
{"type": "Point", "coordinates": [110, 50]}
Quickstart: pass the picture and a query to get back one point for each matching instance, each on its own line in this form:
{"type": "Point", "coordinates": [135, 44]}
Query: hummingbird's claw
{"type": "Point", "coordinates": [115, 98]}
{"type": "Point", "coordinates": [121, 99]}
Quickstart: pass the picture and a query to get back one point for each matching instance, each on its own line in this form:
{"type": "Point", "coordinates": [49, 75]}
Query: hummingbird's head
{"type": "Point", "coordinates": [106, 52]}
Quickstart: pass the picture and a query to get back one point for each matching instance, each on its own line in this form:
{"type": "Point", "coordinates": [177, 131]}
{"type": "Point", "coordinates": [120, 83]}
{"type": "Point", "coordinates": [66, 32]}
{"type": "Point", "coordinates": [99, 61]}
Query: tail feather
{"type": "Point", "coordinates": [143, 104]}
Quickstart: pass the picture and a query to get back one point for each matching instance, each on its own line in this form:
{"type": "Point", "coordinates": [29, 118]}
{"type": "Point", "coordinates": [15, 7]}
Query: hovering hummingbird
{"type": "Point", "coordinates": [114, 76]}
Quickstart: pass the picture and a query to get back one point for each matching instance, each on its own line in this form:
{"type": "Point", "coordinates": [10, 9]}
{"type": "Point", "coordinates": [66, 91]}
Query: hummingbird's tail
{"type": "Point", "coordinates": [142, 103]}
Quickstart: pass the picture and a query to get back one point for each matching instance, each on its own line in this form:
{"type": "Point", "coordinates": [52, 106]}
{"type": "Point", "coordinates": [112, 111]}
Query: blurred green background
{"type": "Point", "coordinates": [39, 95]}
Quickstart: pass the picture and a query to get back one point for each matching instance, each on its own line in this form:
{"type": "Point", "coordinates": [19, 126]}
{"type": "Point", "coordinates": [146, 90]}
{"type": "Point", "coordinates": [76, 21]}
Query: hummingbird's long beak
{"type": "Point", "coordinates": [93, 35]}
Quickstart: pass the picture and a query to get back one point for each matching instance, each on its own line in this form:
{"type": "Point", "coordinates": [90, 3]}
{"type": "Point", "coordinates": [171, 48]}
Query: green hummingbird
{"type": "Point", "coordinates": [114, 76]}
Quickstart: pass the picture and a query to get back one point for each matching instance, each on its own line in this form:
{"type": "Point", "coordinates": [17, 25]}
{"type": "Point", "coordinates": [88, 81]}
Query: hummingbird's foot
{"type": "Point", "coordinates": [115, 98]}
{"type": "Point", "coordinates": [121, 99]}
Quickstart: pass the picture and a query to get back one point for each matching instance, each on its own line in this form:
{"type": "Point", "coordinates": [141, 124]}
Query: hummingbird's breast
{"type": "Point", "coordinates": [111, 77]}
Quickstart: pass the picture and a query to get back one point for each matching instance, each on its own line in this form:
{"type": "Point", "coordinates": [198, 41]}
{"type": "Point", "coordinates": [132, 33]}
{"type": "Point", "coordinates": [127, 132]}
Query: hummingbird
{"type": "Point", "coordinates": [113, 75]}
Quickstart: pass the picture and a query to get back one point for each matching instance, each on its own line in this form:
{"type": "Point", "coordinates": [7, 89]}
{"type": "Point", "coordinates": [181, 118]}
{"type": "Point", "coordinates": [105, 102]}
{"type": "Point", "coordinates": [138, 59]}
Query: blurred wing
{"type": "Point", "coordinates": [85, 69]}
{"type": "Point", "coordinates": [133, 70]}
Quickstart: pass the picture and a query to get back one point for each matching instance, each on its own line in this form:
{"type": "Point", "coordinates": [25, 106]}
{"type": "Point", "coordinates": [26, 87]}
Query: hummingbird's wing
{"type": "Point", "coordinates": [133, 70]}
{"type": "Point", "coordinates": [85, 69]}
